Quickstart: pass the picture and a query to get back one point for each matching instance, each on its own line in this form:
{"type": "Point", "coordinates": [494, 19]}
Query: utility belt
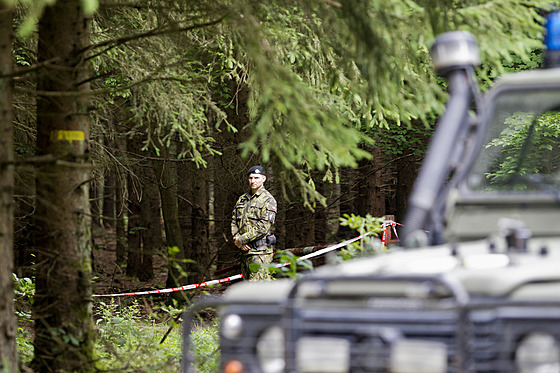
{"type": "Point", "coordinates": [266, 241]}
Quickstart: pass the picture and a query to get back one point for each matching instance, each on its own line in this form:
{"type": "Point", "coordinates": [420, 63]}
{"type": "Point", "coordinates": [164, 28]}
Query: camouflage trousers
{"type": "Point", "coordinates": [252, 274]}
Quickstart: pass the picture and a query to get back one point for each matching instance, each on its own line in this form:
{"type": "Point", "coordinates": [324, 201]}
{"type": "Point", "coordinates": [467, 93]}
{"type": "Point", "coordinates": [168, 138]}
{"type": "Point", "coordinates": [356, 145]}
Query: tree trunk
{"type": "Point", "coordinates": [230, 179]}
{"type": "Point", "coordinates": [280, 230]}
{"type": "Point", "coordinates": [8, 346]}
{"type": "Point", "coordinates": [120, 230]}
{"type": "Point", "coordinates": [136, 197]}
{"type": "Point", "coordinates": [120, 213]}
{"type": "Point", "coordinates": [225, 194]}
{"type": "Point", "coordinates": [186, 203]}
{"type": "Point", "coordinates": [407, 172]}
{"type": "Point", "coordinates": [320, 216]}
{"type": "Point", "coordinates": [332, 192]}
{"type": "Point", "coordinates": [23, 222]}
{"type": "Point", "coordinates": [166, 175]}
{"type": "Point", "coordinates": [327, 218]}
{"type": "Point", "coordinates": [300, 226]}
{"type": "Point", "coordinates": [371, 196]}
{"type": "Point", "coordinates": [64, 331]}
{"type": "Point", "coordinates": [96, 200]}
{"type": "Point", "coordinates": [135, 229]}
{"type": "Point", "coordinates": [24, 208]}
{"type": "Point", "coordinates": [201, 252]}
{"type": "Point", "coordinates": [144, 233]}
{"type": "Point", "coordinates": [109, 196]}
{"type": "Point", "coordinates": [348, 196]}
{"type": "Point", "coordinates": [152, 239]}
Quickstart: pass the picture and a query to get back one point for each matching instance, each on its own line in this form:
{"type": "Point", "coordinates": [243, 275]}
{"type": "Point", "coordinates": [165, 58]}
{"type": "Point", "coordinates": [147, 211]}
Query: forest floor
{"type": "Point", "coordinates": [110, 277]}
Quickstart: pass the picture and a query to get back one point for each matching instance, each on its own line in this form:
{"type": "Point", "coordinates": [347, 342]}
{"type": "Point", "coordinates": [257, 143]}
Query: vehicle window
{"type": "Point", "coordinates": [521, 150]}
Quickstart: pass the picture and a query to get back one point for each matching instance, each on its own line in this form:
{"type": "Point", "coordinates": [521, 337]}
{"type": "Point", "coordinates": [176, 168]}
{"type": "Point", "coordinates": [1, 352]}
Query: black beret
{"type": "Point", "coordinates": [256, 170]}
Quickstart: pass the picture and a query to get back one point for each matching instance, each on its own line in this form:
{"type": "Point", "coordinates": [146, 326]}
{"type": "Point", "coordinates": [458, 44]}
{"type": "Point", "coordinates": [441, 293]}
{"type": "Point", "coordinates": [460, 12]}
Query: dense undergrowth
{"type": "Point", "coordinates": [132, 336]}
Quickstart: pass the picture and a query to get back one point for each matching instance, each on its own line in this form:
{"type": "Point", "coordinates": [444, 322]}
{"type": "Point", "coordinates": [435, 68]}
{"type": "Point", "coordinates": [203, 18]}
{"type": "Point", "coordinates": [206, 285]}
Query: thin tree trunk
{"type": "Point", "coordinates": [332, 192]}
{"type": "Point", "coordinates": [24, 251]}
{"type": "Point", "coordinates": [186, 203]}
{"type": "Point", "coordinates": [300, 225]}
{"type": "Point", "coordinates": [320, 218]}
{"type": "Point", "coordinates": [109, 196]}
{"type": "Point", "coordinates": [371, 196]}
{"type": "Point", "coordinates": [224, 201]}
{"type": "Point", "coordinates": [166, 174]}
{"type": "Point", "coordinates": [24, 208]}
{"type": "Point", "coordinates": [201, 252]}
{"type": "Point", "coordinates": [152, 239]}
{"type": "Point", "coordinates": [280, 230]}
{"type": "Point", "coordinates": [8, 346]}
{"type": "Point", "coordinates": [64, 331]}
{"type": "Point", "coordinates": [135, 228]}
{"type": "Point", "coordinates": [135, 196]}
{"type": "Point", "coordinates": [95, 196]}
{"type": "Point", "coordinates": [120, 234]}
{"type": "Point", "coordinates": [120, 205]}
{"type": "Point", "coordinates": [407, 171]}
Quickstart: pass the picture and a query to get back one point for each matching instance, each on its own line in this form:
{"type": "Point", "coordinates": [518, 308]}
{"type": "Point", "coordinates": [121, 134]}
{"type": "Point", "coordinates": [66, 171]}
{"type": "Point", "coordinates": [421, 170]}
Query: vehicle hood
{"type": "Point", "coordinates": [483, 268]}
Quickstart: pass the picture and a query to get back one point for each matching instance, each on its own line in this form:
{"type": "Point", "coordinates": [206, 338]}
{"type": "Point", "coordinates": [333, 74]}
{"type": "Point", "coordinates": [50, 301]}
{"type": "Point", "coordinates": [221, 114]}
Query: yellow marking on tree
{"type": "Point", "coordinates": [61, 135]}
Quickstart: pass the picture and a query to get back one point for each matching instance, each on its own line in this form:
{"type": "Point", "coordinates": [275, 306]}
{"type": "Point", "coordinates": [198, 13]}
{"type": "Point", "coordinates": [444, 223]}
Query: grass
{"type": "Point", "coordinates": [129, 340]}
{"type": "Point", "coordinates": [206, 340]}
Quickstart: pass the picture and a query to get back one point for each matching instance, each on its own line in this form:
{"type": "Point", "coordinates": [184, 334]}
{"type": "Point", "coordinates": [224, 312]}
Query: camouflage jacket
{"type": "Point", "coordinates": [253, 217]}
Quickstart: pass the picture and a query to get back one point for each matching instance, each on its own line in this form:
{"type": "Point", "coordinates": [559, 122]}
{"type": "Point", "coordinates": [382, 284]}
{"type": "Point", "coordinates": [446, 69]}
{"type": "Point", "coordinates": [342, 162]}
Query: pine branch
{"type": "Point", "coordinates": [110, 44]}
{"type": "Point", "coordinates": [113, 43]}
{"type": "Point", "coordinates": [97, 92]}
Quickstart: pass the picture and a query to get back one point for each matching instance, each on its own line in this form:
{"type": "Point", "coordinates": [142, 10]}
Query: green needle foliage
{"type": "Point", "coordinates": [368, 245]}
{"type": "Point", "coordinates": [159, 81]}
{"type": "Point", "coordinates": [525, 134]}
{"type": "Point", "coordinates": [129, 340]}
{"type": "Point", "coordinates": [323, 75]}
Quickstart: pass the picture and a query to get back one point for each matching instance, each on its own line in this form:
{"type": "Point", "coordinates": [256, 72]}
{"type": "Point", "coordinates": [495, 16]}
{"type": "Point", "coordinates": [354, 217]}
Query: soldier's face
{"type": "Point", "coordinates": [256, 181]}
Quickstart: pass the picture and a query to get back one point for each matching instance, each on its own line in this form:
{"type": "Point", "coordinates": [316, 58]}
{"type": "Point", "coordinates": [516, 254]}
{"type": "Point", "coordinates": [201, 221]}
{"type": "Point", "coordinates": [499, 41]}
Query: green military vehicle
{"type": "Point", "coordinates": [476, 285]}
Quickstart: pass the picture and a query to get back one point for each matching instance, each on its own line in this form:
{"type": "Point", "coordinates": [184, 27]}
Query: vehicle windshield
{"type": "Point", "coordinates": [520, 153]}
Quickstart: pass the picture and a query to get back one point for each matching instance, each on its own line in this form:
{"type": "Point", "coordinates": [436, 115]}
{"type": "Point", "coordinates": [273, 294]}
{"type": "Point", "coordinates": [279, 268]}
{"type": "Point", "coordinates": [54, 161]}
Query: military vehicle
{"type": "Point", "coordinates": [476, 285]}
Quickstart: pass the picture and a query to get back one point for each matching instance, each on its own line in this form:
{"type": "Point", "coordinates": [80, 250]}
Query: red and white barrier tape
{"type": "Point", "coordinates": [328, 249]}
{"type": "Point", "coordinates": [170, 290]}
{"type": "Point", "coordinates": [235, 277]}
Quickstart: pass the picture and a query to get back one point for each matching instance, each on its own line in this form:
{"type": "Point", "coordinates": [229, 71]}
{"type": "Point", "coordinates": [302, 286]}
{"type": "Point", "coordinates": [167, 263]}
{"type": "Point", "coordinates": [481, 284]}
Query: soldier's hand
{"type": "Point", "coordinates": [236, 242]}
{"type": "Point", "coordinates": [245, 247]}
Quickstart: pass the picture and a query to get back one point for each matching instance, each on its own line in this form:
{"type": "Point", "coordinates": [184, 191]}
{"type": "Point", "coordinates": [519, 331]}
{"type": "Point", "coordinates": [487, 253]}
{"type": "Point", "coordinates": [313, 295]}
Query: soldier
{"type": "Point", "coordinates": [251, 226]}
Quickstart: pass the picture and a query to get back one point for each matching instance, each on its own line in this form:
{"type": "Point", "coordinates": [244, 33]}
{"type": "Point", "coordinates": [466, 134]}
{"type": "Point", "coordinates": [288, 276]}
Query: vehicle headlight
{"type": "Point", "coordinates": [232, 326]}
{"type": "Point", "coordinates": [409, 356]}
{"type": "Point", "coordinates": [538, 353]}
{"type": "Point", "coordinates": [322, 355]}
{"type": "Point", "coordinates": [270, 350]}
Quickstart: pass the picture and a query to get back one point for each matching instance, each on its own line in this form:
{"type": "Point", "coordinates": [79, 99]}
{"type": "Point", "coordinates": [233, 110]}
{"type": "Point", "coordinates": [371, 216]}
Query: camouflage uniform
{"type": "Point", "coordinates": [252, 220]}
